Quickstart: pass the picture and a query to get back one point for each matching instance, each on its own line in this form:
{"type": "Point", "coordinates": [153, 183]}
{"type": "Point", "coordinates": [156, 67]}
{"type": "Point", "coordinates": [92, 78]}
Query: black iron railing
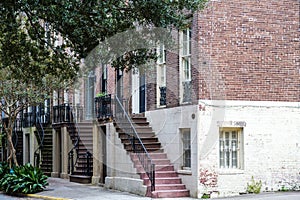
{"type": "Point", "coordinates": [62, 113]}
{"type": "Point", "coordinates": [88, 163]}
{"type": "Point", "coordinates": [125, 123]}
{"type": "Point", "coordinates": [163, 96]}
{"type": "Point", "coordinates": [103, 107]}
{"type": "Point", "coordinates": [40, 135]}
{"type": "Point", "coordinates": [29, 117]}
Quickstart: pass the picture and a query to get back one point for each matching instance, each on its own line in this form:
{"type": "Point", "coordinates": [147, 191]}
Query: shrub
{"type": "Point", "coordinates": [24, 179]}
{"type": "Point", "coordinates": [254, 186]}
{"type": "Point", "coordinates": [4, 169]}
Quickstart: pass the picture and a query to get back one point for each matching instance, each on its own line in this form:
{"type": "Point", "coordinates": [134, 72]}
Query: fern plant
{"type": "Point", "coordinates": [24, 179]}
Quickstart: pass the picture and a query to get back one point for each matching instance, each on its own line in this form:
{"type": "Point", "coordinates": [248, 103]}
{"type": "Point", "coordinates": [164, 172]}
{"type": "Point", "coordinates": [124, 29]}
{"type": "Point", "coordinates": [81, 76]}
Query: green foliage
{"type": "Point", "coordinates": [4, 169]}
{"type": "Point", "coordinates": [24, 179]}
{"type": "Point", "coordinates": [101, 94]}
{"type": "Point", "coordinates": [205, 196]}
{"type": "Point", "coordinates": [83, 25]}
{"type": "Point", "coordinates": [254, 186]}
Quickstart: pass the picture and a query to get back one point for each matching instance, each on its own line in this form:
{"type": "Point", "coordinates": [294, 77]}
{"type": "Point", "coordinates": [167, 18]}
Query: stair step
{"type": "Point", "coordinates": [140, 168]}
{"type": "Point", "coordinates": [164, 180]}
{"type": "Point", "coordinates": [144, 140]}
{"type": "Point", "coordinates": [161, 174]}
{"type": "Point", "coordinates": [169, 187]}
{"type": "Point", "coordinates": [80, 179]}
{"type": "Point", "coordinates": [153, 155]}
{"type": "Point", "coordinates": [170, 193]}
{"type": "Point", "coordinates": [155, 161]}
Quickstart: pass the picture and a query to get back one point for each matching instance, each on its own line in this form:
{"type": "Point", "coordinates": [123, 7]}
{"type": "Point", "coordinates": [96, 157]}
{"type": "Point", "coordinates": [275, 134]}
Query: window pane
{"type": "Point", "coordinates": [229, 155]}
{"type": "Point", "coordinates": [186, 140]}
{"type": "Point", "coordinates": [186, 68]}
{"type": "Point", "coordinates": [222, 161]}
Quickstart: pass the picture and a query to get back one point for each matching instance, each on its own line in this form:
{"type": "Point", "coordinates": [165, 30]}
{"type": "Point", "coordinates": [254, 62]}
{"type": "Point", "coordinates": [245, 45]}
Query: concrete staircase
{"type": "Point", "coordinates": [167, 182]}
{"type": "Point", "coordinates": [82, 173]}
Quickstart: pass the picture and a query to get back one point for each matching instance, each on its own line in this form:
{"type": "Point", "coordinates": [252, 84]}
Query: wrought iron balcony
{"type": "Point", "coordinates": [103, 107]}
{"type": "Point", "coordinates": [163, 96]}
{"type": "Point", "coordinates": [62, 113]}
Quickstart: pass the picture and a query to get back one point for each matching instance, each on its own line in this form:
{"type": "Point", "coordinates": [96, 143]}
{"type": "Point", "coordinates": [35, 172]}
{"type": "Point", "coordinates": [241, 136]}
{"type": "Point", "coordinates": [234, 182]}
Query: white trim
{"type": "Point", "coordinates": [232, 103]}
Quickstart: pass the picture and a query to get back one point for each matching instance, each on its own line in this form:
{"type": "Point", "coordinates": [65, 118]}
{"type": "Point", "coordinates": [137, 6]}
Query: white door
{"type": "Point", "coordinates": [135, 91]}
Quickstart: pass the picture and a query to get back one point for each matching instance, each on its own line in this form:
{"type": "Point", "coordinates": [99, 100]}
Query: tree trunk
{"type": "Point", "coordinates": [12, 151]}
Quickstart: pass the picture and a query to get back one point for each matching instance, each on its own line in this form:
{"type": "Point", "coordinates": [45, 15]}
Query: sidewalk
{"type": "Point", "coordinates": [63, 189]}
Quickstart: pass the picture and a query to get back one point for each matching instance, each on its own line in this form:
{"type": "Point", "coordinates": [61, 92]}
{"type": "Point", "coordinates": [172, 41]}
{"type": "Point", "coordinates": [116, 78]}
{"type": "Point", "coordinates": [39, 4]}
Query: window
{"type": "Point", "coordinates": [230, 148]}
{"type": "Point", "coordinates": [185, 65]}
{"type": "Point", "coordinates": [186, 54]}
{"type": "Point", "coordinates": [186, 144]}
{"type": "Point", "coordinates": [104, 78]}
{"type": "Point", "coordinates": [161, 76]}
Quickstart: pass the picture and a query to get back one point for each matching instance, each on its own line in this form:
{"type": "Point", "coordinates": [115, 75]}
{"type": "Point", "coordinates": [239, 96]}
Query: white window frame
{"type": "Point", "coordinates": [185, 54]}
{"type": "Point", "coordinates": [231, 148]}
{"type": "Point", "coordinates": [186, 146]}
{"type": "Point", "coordinates": [185, 60]}
{"type": "Point", "coordinates": [161, 71]}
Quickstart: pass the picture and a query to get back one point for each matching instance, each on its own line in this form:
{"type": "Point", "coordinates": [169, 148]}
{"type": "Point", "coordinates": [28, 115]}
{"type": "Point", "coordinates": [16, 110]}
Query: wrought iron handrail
{"type": "Point", "coordinates": [122, 116]}
{"type": "Point", "coordinates": [103, 107]}
{"type": "Point", "coordinates": [71, 163]}
{"type": "Point", "coordinates": [41, 135]}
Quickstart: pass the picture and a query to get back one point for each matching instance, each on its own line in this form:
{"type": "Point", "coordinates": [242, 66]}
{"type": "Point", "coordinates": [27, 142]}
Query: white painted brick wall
{"type": "Point", "coordinates": [271, 142]}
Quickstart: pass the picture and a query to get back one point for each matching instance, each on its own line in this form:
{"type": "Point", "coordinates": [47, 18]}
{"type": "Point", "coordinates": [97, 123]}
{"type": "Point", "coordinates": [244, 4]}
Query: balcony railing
{"type": "Point", "coordinates": [103, 107]}
{"type": "Point", "coordinates": [62, 113]}
{"type": "Point", "coordinates": [163, 96]}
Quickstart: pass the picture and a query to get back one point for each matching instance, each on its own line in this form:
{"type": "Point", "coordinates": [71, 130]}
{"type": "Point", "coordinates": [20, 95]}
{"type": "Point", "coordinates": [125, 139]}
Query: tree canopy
{"type": "Point", "coordinates": [42, 42]}
{"type": "Point", "coordinates": [83, 24]}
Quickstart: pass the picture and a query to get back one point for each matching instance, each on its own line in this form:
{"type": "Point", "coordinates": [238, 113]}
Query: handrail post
{"type": "Point", "coordinates": [153, 177]}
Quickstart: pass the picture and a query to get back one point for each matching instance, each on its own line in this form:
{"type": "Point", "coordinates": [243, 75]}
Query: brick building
{"type": "Point", "coordinates": [223, 102]}
{"type": "Point", "coordinates": [219, 108]}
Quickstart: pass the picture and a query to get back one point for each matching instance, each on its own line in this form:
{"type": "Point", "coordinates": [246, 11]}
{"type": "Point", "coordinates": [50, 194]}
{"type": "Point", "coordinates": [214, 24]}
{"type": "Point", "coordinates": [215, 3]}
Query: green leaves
{"type": "Point", "coordinates": [25, 179]}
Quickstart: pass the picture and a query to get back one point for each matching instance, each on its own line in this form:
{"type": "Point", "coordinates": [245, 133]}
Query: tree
{"type": "Point", "coordinates": [43, 41]}
{"type": "Point", "coordinates": [29, 72]}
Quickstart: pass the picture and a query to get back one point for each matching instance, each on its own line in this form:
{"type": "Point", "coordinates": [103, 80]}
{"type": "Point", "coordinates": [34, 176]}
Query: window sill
{"type": "Point", "coordinates": [184, 172]}
{"type": "Point", "coordinates": [164, 106]}
{"type": "Point", "coordinates": [231, 171]}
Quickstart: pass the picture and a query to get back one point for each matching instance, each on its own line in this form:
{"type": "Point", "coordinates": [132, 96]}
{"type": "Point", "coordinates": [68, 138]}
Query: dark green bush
{"type": "Point", "coordinates": [4, 169]}
{"type": "Point", "coordinates": [24, 179]}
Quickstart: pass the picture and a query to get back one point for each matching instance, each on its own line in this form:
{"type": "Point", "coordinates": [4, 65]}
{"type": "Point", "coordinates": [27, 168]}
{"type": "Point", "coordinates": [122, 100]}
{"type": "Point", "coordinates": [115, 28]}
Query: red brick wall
{"type": "Point", "coordinates": [249, 50]}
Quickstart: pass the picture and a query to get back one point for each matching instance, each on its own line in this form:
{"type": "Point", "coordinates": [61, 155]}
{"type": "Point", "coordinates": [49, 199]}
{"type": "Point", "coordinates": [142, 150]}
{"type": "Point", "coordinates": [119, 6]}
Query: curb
{"type": "Point", "coordinates": [44, 197]}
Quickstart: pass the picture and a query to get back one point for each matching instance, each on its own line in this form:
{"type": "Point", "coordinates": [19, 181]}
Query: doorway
{"type": "Point", "coordinates": [138, 91]}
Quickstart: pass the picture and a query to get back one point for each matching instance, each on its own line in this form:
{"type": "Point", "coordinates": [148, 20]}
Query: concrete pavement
{"type": "Point", "coordinates": [63, 189]}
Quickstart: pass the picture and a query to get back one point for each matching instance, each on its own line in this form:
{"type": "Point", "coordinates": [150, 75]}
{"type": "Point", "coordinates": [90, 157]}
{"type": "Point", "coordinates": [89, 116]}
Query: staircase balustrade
{"type": "Point", "coordinates": [125, 123]}
{"type": "Point", "coordinates": [103, 107]}
{"type": "Point", "coordinates": [62, 113]}
{"type": "Point", "coordinates": [75, 136]}
{"type": "Point", "coordinates": [40, 137]}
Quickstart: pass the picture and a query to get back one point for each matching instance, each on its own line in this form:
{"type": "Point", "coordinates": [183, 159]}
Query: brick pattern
{"type": "Point", "coordinates": [249, 50]}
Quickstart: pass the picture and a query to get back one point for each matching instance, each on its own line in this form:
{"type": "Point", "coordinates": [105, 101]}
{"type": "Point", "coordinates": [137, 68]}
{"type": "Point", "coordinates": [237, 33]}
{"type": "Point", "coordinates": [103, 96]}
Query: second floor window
{"type": "Point", "coordinates": [186, 54]}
